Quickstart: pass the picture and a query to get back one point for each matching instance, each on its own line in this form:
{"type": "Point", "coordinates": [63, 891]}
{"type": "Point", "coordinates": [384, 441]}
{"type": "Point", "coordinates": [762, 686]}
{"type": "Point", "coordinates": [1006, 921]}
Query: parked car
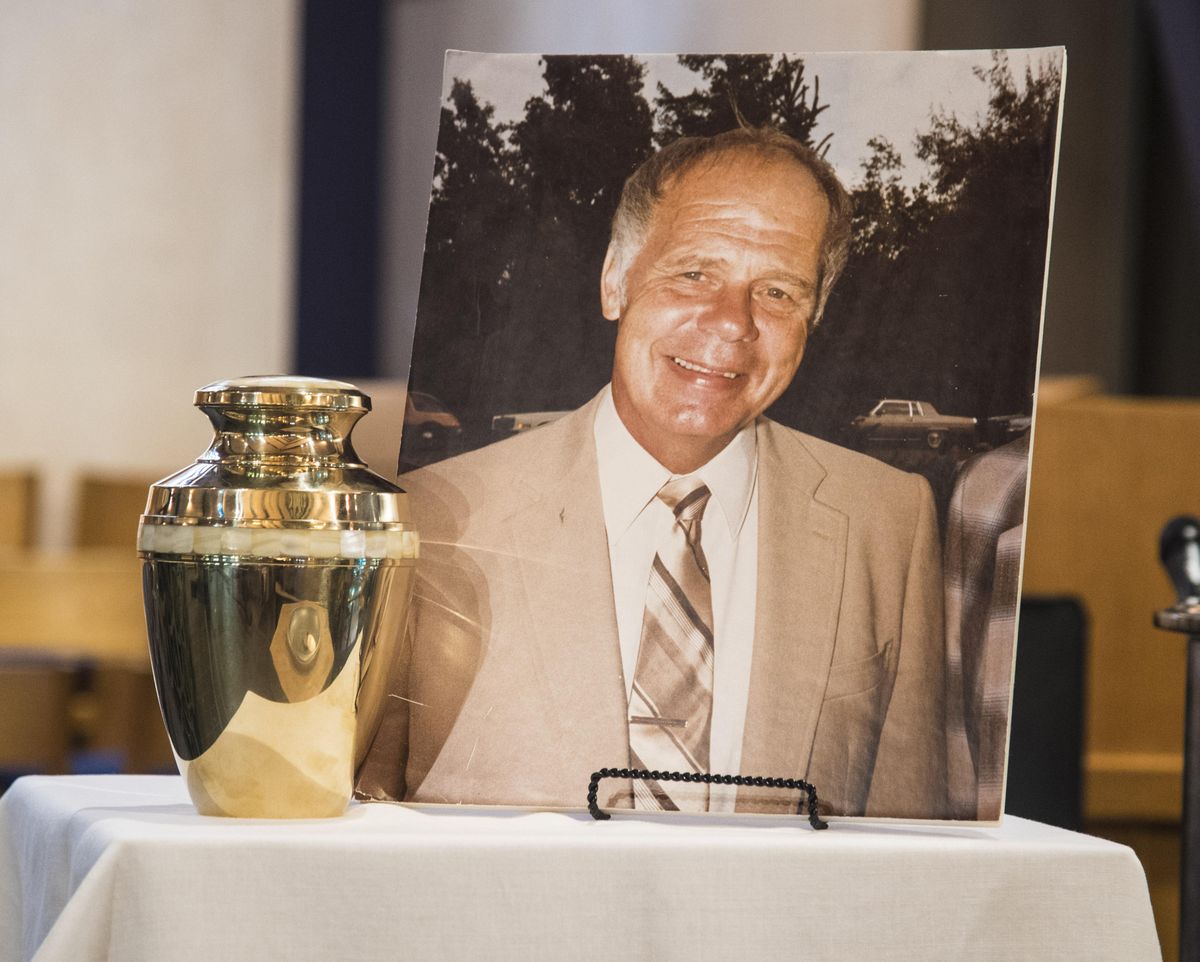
{"type": "Point", "coordinates": [899, 421]}
{"type": "Point", "coordinates": [524, 421]}
{"type": "Point", "coordinates": [1006, 427]}
{"type": "Point", "coordinates": [430, 420]}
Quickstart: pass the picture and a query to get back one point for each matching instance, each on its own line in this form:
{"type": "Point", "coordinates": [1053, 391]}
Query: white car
{"type": "Point", "coordinates": [524, 421]}
{"type": "Point", "coordinates": [429, 419]}
{"type": "Point", "coordinates": [893, 420]}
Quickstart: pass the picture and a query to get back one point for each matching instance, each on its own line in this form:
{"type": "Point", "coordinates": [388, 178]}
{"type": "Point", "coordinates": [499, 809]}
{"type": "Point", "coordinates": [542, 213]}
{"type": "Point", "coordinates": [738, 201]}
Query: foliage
{"type": "Point", "coordinates": [888, 217]}
{"type": "Point", "coordinates": [753, 90]}
{"type": "Point", "coordinates": [940, 300]}
{"type": "Point", "coordinates": [525, 208]}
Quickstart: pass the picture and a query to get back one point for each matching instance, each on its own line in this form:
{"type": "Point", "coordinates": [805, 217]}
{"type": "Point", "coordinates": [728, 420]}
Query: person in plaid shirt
{"type": "Point", "coordinates": [984, 534]}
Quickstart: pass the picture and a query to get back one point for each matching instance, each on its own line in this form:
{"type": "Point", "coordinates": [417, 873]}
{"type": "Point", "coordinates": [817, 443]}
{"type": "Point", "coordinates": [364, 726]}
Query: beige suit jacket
{"type": "Point", "coordinates": [510, 688]}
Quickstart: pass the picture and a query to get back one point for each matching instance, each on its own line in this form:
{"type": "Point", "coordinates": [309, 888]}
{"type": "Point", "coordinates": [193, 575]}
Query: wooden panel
{"type": "Point", "coordinates": [1119, 785]}
{"type": "Point", "coordinates": [119, 714]}
{"type": "Point", "coordinates": [109, 508]}
{"type": "Point", "coordinates": [83, 608]}
{"type": "Point", "coordinates": [79, 602]}
{"type": "Point", "coordinates": [34, 727]}
{"type": "Point", "coordinates": [18, 508]}
{"type": "Point", "coordinates": [1108, 472]}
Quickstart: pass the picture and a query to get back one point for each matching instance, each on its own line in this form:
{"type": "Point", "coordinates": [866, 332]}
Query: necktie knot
{"type": "Point", "coordinates": [687, 497]}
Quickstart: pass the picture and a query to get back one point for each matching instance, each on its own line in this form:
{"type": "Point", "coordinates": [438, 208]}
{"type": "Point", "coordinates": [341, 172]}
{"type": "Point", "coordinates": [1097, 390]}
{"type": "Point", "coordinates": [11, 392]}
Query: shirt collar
{"type": "Point", "coordinates": [630, 476]}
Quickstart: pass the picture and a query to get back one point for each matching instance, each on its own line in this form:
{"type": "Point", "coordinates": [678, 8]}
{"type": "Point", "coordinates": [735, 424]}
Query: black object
{"type": "Point", "coordinates": [758, 781]}
{"type": "Point", "coordinates": [337, 277]}
{"type": "Point", "coordinates": [1045, 777]}
{"type": "Point", "coordinates": [1179, 549]}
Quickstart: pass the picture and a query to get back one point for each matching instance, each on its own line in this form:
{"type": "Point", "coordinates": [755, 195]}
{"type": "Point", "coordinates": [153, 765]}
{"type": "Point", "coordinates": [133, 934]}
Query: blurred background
{"type": "Point", "coordinates": [209, 188]}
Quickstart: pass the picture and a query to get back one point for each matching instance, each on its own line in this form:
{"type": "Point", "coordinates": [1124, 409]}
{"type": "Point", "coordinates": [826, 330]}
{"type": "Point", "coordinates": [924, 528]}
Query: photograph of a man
{"type": "Point", "coordinates": [707, 348]}
{"type": "Point", "coordinates": [665, 578]}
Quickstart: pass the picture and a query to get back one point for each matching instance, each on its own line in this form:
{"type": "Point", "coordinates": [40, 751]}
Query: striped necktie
{"type": "Point", "coordinates": [670, 707]}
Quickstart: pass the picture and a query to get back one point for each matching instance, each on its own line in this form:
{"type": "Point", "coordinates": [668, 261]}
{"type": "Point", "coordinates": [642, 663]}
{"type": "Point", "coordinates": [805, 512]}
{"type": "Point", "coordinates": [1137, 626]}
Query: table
{"type": "Point", "coordinates": [121, 867]}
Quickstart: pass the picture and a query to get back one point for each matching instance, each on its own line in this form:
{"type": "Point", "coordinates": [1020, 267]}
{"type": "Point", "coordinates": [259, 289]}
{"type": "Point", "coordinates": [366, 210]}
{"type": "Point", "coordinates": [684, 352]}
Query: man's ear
{"type": "Point", "coordinates": [610, 285]}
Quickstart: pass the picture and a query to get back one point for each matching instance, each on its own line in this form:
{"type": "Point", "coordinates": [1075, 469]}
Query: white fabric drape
{"type": "Point", "coordinates": [121, 868]}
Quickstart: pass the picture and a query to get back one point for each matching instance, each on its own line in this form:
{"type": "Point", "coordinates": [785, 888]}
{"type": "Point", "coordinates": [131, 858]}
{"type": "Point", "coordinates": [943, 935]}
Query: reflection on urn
{"type": "Point", "coordinates": [277, 574]}
{"type": "Point", "coordinates": [302, 650]}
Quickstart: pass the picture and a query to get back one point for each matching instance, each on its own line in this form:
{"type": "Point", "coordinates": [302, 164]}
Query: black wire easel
{"type": "Point", "coordinates": [758, 781]}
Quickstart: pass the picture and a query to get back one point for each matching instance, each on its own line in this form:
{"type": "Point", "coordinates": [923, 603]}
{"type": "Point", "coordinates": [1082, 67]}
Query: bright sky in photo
{"type": "Point", "coordinates": [892, 95]}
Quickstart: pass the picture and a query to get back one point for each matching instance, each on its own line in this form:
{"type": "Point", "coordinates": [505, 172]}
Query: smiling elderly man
{"type": "Point", "coordinates": [664, 578]}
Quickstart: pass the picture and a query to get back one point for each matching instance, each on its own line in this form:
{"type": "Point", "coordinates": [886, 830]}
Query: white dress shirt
{"type": "Point", "coordinates": [636, 522]}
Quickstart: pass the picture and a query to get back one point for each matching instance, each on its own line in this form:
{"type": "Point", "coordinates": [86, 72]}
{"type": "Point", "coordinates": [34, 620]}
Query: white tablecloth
{"type": "Point", "coordinates": [122, 868]}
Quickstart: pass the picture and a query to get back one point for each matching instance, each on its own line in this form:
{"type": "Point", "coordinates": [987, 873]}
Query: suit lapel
{"type": "Point", "coordinates": [801, 564]}
{"type": "Point", "coordinates": [562, 554]}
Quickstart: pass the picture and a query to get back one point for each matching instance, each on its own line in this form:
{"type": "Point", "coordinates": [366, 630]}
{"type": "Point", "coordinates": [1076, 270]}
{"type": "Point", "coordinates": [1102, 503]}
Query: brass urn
{"type": "Point", "coordinates": [277, 574]}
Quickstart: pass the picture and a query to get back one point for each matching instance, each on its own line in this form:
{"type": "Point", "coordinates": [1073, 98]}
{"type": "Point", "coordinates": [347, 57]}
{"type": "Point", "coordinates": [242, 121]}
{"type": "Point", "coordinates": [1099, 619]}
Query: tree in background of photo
{"type": "Point", "coordinates": [519, 218]}
{"type": "Point", "coordinates": [940, 300]}
{"type": "Point", "coordinates": [751, 90]}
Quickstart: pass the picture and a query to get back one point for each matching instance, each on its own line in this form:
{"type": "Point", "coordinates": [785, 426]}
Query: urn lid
{"type": "Point", "coordinates": [283, 391]}
{"type": "Point", "coordinates": [280, 458]}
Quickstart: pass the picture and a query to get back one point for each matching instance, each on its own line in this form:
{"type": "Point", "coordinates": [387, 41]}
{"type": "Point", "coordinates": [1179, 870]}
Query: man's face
{"type": "Point", "coordinates": [718, 304]}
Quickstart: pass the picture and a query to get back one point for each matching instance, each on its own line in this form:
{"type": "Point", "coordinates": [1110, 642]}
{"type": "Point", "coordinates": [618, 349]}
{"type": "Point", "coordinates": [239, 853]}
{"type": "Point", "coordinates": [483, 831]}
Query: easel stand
{"type": "Point", "coordinates": [706, 778]}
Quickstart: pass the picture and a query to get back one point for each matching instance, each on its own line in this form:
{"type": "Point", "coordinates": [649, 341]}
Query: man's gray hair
{"type": "Point", "coordinates": [646, 185]}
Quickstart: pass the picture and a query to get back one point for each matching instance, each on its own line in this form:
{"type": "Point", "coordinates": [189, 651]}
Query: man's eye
{"type": "Point", "coordinates": [777, 294]}
{"type": "Point", "coordinates": [692, 275]}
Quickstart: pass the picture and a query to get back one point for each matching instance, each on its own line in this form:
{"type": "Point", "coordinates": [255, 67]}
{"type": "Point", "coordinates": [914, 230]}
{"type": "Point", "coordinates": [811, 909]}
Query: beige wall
{"type": "Point", "coordinates": [147, 154]}
{"type": "Point", "coordinates": [147, 163]}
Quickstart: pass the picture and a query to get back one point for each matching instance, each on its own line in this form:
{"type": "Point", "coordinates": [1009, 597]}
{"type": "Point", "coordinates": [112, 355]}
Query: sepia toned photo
{"type": "Point", "coordinates": [718, 430]}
